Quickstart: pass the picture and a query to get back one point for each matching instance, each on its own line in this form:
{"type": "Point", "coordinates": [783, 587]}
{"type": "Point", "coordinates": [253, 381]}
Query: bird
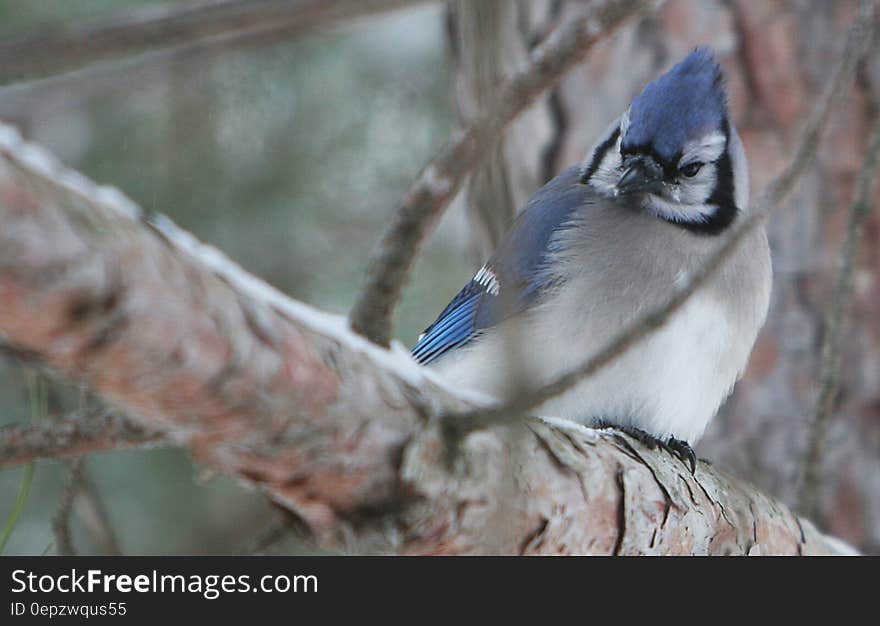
{"type": "Point", "coordinates": [602, 243]}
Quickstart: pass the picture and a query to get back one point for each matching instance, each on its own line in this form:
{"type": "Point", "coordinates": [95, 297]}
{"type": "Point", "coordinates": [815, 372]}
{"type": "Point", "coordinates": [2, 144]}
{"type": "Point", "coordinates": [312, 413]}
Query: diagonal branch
{"type": "Point", "coordinates": [66, 48]}
{"type": "Point", "coordinates": [81, 496]}
{"type": "Point", "coordinates": [338, 430]}
{"type": "Point", "coordinates": [857, 42]}
{"type": "Point", "coordinates": [438, 183]}
{"type": "Point", "coordinates": [97, 431]}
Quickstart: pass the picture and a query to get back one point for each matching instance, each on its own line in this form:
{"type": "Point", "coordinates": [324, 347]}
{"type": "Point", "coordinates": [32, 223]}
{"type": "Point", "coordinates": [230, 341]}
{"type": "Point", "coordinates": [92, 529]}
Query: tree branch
{"type": "Point", "coordinates": [66, 48]}
{"type": "Point", "coordinates": [61, 526]}
{"type": "Point", "coordinates": [98, 431]}
{"type": "Point", "coordinates": [341, 432]}
{"type": "Point", "coordinates": [441, 179]}
{"type": "Point", "coordinates": [81, 495]}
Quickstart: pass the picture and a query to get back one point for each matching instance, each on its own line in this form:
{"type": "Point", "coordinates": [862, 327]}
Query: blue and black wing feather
{"type": "Point", "coordinates": [515, 276]}
{"type": "Point", "coordinates": [455, 326]}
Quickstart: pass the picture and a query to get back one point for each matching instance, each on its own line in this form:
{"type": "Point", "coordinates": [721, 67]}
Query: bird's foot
{"type": "Point", "coordinates": [683, 450]}
{"type": "Point", "coordinates": [646, 438]}
{"type": "Point", "coordinates": [676, 447]}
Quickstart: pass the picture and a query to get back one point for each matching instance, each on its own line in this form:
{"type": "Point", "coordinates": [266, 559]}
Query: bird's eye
{"type": "Point", "coordinates": [690, 170]}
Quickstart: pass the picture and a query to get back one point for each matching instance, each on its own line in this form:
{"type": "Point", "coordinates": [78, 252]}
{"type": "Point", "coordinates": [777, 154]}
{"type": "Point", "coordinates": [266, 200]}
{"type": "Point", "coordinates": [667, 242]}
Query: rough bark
{"type": "Point", "coordinates": [342, 432]}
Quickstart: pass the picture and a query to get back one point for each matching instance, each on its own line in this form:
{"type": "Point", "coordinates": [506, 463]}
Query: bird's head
{"type": "Point", "coordinates": [675, 151]}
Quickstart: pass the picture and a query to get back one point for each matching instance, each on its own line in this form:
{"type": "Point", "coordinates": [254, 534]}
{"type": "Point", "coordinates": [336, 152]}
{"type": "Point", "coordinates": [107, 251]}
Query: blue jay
{"type": "Point", "coordinates": [602, 243]}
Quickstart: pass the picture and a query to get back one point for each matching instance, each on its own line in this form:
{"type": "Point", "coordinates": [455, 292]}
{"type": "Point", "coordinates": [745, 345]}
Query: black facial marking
{"type": "Point", "coordinates": [722, 197]}
{"type": "Point", "coordinates": [670, 167]}
{"type": "Point", "coordinates": [599, 154]}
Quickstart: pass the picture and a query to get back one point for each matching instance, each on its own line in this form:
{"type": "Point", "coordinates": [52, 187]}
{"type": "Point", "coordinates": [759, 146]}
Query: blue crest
{"type": "Point", "coordinates": [684, 103]}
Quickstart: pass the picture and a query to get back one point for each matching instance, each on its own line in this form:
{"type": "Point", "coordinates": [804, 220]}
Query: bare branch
{"type": "Point", "coordinates": [95, 517]}
{"type": "Point", "coordinates": [66, 48]}
{"type": "Point", "coordinates": [98, 431]}
{"type": "Point", "coordinates": [651, 321]}
{"type": "Point", "coordinates": [61, 521]}
{"type": "Point", "coordinates": [440, 180]}
{"type": "Point", "coordinates": [342, 432]}
{"type": "Point", "coordinates": [835, 325]}
{"type": "Point", "coordinates": [81, 496]}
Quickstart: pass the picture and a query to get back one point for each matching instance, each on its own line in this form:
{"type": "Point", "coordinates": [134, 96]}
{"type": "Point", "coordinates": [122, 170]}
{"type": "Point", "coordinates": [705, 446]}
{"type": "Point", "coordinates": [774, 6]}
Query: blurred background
{"type": "Point", "coordinates": [290, 156]}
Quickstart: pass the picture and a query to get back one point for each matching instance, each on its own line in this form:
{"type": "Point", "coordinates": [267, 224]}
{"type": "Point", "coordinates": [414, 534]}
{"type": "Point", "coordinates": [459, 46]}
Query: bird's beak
{"type": "Point", "coordinates": [642, 175]}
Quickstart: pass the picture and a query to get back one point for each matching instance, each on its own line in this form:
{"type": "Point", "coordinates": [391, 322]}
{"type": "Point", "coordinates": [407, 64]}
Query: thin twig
{"type": "Point", "coordinates": [95, 517]}
{"type": "Point", "coordinates": [61, 521]}
{"type": "Point", "coordinates": [835, 325]}
{"type": "Point", "coordinates": [66, 48]}
{"type": "Point", "coordinates": [89, 508]}
{"type": "Point", "coordinates": [97, 431]}
{"type": "Point", "coordinates": [653, 320]}
{"type": "Point", "coordinates": [441, 179]}
{"type": "Point", "coordinates": [81, 491]}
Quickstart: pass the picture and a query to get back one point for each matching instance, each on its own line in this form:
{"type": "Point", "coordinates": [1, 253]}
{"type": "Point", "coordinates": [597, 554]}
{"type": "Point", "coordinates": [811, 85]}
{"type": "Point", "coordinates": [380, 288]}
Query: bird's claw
{"type": "Point", "coordinates": [676, 447]}
{"type": "Point", "coordinates": [683, 450]}
{"type": "Point", "coordinates": [647, 439]}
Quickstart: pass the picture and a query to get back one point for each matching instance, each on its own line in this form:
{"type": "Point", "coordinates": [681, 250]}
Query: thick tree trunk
{"type": "Point", "coordinates": [343, 433]}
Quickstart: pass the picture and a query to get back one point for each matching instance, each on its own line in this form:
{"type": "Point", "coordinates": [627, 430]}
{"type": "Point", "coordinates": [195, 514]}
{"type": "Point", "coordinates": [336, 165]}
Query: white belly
{"type": "Point", "coordinates": [670, 384]}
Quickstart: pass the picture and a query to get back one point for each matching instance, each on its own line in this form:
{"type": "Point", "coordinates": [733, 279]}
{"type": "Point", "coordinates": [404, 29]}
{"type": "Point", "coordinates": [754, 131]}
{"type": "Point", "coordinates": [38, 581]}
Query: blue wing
{"type": "Point", "coordinates": [516, 275]}
{"type": "Point", "coordinates": [455, 326]}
